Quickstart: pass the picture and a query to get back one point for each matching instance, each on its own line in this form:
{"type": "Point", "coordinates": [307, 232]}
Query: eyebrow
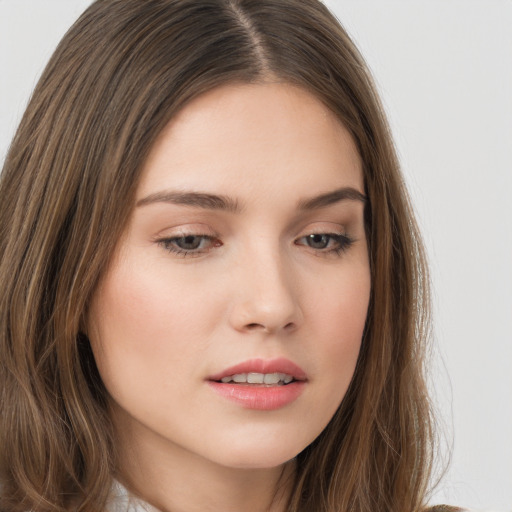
{"type": "Point", "coordinates": [329, 198]}
{"type": "Point", "coordinates": [195, 199]}
{"type": "Point", "coordinates": [225, 203]}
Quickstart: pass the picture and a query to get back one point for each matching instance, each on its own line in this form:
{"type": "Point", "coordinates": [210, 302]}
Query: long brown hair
{"type": "Point", "coordinates": [67, 187]}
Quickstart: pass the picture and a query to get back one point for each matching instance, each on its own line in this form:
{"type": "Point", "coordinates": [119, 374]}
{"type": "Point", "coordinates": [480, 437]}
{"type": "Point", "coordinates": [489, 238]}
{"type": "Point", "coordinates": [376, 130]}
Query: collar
{"type": "Point", "coordinates": [122, 501]}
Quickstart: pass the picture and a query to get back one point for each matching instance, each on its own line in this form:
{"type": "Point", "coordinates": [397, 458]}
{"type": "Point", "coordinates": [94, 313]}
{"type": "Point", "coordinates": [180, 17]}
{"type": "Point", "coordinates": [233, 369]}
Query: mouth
{"type": "Point", "coordinates": [260, 384]}
{"type": "Point", "coordinates": [273, 372]}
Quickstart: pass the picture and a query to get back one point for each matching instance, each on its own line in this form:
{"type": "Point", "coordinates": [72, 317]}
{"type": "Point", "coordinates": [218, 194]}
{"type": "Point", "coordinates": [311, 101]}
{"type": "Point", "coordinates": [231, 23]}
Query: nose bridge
{"type": "Point", "coordinates": [267, 297]}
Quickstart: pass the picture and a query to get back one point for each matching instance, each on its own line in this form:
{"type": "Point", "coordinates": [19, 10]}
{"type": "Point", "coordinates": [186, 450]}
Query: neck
{"type": "Point", "coordinates": [173, 479]}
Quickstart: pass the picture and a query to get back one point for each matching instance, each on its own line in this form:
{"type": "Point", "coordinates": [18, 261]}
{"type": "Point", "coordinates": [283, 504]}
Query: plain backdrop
{"type": "Point", "coordinates": [444, 69]}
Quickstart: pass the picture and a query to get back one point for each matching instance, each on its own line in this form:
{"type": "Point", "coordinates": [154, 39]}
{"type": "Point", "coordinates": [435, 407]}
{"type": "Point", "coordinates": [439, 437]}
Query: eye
{"type": "Point", "coordinates": [189, 245]}
{"type": "Point", "coordinates": [326, 243]}
{"type": "Point", "coordinates": [190, 242]}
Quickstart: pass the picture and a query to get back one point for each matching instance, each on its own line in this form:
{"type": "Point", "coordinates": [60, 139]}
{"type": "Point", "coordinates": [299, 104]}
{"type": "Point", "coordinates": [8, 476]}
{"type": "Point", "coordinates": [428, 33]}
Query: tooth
{"type": "Point", "coordinates": [271, 378]}
{"type": "Point", "coordinates": [258, 378]}
{"type": "Point", "coordinates": [255, 378]}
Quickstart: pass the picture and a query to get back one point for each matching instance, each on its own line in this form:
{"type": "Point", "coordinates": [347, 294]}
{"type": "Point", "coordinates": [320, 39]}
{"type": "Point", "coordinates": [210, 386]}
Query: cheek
{"type": "Point", "coordinates": [141, 327]}
{"type": "Point", "coordinates": [340, 306]}
{"type": "Point", "coordinates": [139, 305]}
{"type": "Point", "coordinates": [339, 317]}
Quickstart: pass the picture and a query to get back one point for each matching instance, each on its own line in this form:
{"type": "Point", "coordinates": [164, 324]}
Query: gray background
{"type": "Point", "coordinates": [444, 69]}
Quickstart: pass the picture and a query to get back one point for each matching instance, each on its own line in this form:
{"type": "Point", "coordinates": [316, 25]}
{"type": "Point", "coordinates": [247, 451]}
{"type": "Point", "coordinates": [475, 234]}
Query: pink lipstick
{"type": "Point", "coordinates": [260, 384]}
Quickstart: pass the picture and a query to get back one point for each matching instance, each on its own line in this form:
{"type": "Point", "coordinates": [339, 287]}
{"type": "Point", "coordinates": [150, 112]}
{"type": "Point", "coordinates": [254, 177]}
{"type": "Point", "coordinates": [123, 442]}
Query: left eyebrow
{"type": "Point", "coordinates": [329, 198]}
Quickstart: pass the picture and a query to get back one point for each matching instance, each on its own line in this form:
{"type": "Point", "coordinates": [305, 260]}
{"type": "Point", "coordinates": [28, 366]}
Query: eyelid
{"type": "Point", "coordinates": [335, 239]}
{"type": "Point", "coordinates": [166, 239]}
{"type": "Point", "coordinates": [342, 241]}
{"type": "Point", "coordinates": [193, 228]}
{"type": "Point", "coordinates": [169, 244]}
{"type": "Point", "coordinates": [339, 239]}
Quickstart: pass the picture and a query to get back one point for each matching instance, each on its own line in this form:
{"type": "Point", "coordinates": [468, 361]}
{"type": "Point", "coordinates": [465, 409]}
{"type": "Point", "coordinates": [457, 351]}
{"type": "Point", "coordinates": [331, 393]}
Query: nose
{"type": "Point", "coordinates": [266, 296]}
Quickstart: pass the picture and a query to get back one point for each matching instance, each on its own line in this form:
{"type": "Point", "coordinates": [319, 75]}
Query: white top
{"type": "Point", "coordinates": [123, 501]}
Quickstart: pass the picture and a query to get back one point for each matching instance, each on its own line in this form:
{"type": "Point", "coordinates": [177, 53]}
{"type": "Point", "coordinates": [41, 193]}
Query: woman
{"type": "Point", "coordinates": [214, 291]}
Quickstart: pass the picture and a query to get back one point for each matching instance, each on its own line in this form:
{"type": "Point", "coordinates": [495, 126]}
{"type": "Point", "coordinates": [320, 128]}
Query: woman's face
{"type": "Point", "coordinates": [245, 260]}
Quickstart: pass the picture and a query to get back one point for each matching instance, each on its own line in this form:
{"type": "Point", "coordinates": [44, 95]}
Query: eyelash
{"type": "Point", "coordinates": [169, 244]}
{"type": "Point", "coordinates": [342, 241]}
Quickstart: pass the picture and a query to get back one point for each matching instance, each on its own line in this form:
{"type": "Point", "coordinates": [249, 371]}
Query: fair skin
{"type": "Point", "coordinates": [273, 275]}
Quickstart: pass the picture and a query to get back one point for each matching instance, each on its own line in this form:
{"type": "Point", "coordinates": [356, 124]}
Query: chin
{"type": "Point", "coordinates": [259, 455]}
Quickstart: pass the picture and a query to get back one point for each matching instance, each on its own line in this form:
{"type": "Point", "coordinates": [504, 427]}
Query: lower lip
{"type": "Point", "coordinates": [259, 397]}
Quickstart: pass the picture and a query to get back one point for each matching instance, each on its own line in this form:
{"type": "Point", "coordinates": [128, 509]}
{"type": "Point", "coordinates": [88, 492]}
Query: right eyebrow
{"type": "Point", "coordinates": [194, 199]}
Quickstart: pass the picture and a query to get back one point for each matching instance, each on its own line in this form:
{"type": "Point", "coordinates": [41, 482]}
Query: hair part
{"type": "Point", "coordinates": [68, 186]}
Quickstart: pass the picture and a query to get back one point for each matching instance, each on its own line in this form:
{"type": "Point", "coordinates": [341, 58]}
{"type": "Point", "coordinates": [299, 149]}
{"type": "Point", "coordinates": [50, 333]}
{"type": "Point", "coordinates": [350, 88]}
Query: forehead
{"type": "Point", "coordinates": [250, 138]}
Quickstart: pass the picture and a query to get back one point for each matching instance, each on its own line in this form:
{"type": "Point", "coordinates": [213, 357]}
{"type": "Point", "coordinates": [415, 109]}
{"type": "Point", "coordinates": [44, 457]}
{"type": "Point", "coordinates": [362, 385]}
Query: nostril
{"type": "Point", "coordinates": [254, 326]}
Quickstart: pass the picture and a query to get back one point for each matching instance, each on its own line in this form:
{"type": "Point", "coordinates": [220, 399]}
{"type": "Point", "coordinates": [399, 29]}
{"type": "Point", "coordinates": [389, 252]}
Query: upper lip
{"type": "Point", "coordinates": [280, 365]}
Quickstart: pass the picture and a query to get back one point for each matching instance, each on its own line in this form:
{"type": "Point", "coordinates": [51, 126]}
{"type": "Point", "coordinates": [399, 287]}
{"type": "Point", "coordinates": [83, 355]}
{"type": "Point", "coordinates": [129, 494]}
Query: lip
{"type": "Point", "coordinates": [260, 397]}
{"type": "Point", "coordinates": [280, 365]}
